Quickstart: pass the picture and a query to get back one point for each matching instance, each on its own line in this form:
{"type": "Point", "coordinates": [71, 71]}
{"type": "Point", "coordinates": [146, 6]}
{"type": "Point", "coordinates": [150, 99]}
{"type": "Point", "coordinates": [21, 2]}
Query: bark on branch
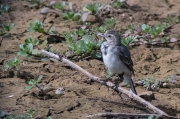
{"type": "Point", "coordinates": [108, 84]}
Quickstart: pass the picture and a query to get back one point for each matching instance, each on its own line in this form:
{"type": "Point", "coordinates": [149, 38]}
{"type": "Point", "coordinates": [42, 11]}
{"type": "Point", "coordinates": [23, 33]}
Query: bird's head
{"type": "Point", "coordinates": [111, 36]}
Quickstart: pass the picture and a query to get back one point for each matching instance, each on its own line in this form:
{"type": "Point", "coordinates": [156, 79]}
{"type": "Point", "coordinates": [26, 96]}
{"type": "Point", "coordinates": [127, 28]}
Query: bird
{"type": "Point", "coordinates": [117, 57]}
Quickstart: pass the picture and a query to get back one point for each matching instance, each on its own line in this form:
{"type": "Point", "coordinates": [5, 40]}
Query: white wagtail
{"type": "Point", "coordinates": [117, 58]}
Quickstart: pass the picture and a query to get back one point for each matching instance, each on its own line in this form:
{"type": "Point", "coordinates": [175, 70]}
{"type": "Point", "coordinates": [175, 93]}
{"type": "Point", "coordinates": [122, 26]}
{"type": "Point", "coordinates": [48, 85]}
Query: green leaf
{"type": "Point", "coordinates": [70, 14]}
{"type": "Point", "coordinates": [31, 30]}
{"type": "Point", "coordinates": [22, 53]}
{"type": "Point", "coordinates": [49, 117]}
{"type": "Point", "coordinates": [117, 4]}
{"type": "Point", "coordinates": [35, 51]}
{"type": "Point", "coordinates": [76, 17]}
{"type": "Point", "coordinates": [3, 114]}
{"type": "Point", "coordinates": [145, 28]}
{"type": "Point", "coordinates": [28, 40]}
{"type": "Point", "coordinates": [22, 47]}
{"type": "Point", "coordinates": [6, 67]}
{"type": "Point", "coordinates": [65, 16]}
{"type": "Point", "coordinates": [16, 61]}
{"type": "Point", "coordinates": [39, 78]}
{"type": "Point", "coordinates": [60, 6]}
{"type": "Point", "coordinates": [11, 63]}
{"type": "Point", "coordinates": [93, 8]}
{"type": "Point", "coordinates": [11, 26]}
{"type": "Point", "coordinates": [30, 47]}
{"type": "Point", "coordinates": [44, 43]}
{"type": "Point", "coordinates": [29, 87]}
{"type": "Point", "coordinates": [32, 82]}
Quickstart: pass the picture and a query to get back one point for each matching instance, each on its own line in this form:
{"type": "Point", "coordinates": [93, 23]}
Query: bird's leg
{"type": "Point", "coordinates": [106, 80]}
{"type": "Point", "coordinates": [120, 80]}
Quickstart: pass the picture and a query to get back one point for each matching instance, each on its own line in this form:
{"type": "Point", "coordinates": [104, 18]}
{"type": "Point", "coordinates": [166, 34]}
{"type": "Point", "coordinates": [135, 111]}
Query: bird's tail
{"type": "Point", "coordinates": [132, 86]}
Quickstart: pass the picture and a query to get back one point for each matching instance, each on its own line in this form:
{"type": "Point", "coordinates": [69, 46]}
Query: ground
{"type": "Point", "coordinates": [81, 98]}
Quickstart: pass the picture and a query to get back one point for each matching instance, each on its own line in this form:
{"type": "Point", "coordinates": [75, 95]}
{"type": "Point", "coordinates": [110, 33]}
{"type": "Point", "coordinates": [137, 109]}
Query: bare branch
{"type": "Point", "coordinates": [125, 115]}
{"type": "Point", "coordinates": [108, 84]}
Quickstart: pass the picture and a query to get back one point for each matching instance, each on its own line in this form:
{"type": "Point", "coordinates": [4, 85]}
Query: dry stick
{"type": "Point", "coordinates": [109, 114]}
{"type": "Point", "coordinates": [108, 84]}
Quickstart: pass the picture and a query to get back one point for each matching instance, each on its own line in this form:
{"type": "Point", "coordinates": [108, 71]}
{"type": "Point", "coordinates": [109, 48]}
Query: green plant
{"type": "Point", "coordinates": [12, 64]}
{"type": "Point", "coordinates": [28, 48]}
{"type": "Point", "coordinates": [82, 44]}
{"type": "Point", "coordinates": [60, 6]}
{"type": "Point", "coordinates": [131, 28]}
{"type": "Point", "coordinates": [151, 83]}
{"type": "Point", "coordinates": [72, 16]}
{"type": "Point", "coordinates": [37, 26]}
{"type": "Point", "coordinates": [111, 22]}
{"type": "Point", "coordinates": [35, 82]}
{"type": "Point", "coordinates": [7, 28]}
{"type": "Point", "coordinates": [36, 3]}
{"type": "Point", "coordinates": [107, 25]}
{"type": "Point", "coordinates": [126, 41]}
{"type": "Point", "coordinates": [117, 4]}
{"type": "Point", "coordinates": [153, 31]}
{"type": "Point", "coordinates": [153, 117]}
{"type": "Point", "coordinates": [3, 9]}
{"type": "Point", "coordinates": [165, 39]}
{"type": "Point", "coordinates": [93, 8]}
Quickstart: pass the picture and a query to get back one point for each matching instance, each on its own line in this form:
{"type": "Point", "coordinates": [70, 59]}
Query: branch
{"type": "Point", "coordinates": [107, 84]}
{"type": "Point", "coordinates": [125, 115]}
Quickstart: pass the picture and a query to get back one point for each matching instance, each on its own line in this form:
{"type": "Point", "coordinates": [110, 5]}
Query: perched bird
{"type": "Point", "coordinates": [117, 58]}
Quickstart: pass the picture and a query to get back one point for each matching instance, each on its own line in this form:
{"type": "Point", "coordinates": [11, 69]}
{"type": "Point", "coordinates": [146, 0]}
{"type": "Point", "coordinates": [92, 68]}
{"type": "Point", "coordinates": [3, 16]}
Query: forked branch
{"type": "Point", "coordinates": [108, 84]}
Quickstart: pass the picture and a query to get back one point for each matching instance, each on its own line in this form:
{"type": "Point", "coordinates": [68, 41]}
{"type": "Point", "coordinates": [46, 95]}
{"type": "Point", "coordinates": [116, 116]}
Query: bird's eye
{"type": "Point", "coordinates": [109, 36]}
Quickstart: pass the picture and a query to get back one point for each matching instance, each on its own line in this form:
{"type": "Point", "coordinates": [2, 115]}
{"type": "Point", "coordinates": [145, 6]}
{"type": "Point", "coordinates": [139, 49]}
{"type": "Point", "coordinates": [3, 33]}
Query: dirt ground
{"type": "Point", "coordinates": [81, 98]}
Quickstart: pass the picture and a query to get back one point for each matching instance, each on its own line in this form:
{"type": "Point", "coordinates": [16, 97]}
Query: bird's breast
{"type": "Point", "coordinates": [112, 61]}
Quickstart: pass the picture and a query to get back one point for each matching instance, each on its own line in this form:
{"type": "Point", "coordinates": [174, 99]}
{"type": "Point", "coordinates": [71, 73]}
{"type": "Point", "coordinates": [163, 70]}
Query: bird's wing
{"type": "Point", "coordinates": [125, 56]}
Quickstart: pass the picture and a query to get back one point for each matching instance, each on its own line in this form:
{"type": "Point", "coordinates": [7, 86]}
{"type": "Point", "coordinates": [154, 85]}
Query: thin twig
{"type": "Point", "coordinates": [108, 84]}
{"type": "Point", "coordinates": [125, 115]}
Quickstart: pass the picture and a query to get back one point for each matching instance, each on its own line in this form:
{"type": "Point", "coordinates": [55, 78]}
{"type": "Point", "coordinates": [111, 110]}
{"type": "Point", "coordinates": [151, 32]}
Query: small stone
{"type": "Point", "coordinates": [59, 91]}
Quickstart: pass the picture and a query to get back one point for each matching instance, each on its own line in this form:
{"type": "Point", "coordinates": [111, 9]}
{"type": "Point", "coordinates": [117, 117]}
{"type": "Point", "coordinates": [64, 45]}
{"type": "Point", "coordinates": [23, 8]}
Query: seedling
{"type": "Point", "coordinates": [153, 117]}
{"type": "Point", "coordinates": [28, 49]}
{"type": "Point", "coordinates": [81, 44]}
{"type": "Point", "coordinates": [131, 28]}
{"type": "Point", "coordinates": [128, 40]}
{"type": "Point", "coordinates": [3, 9]}
{"type": "Point", "coordinates": [35, 82]}
{"type": "Point", "coordinates": [36, 3]}
{"type": "Point", "coordinates": [72, 16]}
{"type": "Point", "coordinates": [92, 8]}
{"type": "Point", "coordinates": [153, 31]}
{"type": "Point", "coordinates": [111, 22]}
{"type": "Point", "coordinates": [117, 4]}
{"type": "Point", "coordinates": [60, 6]}
{"type": "Point", "coordinates": [108, 24]}
{"type": "Point", "coordinates": [37, 26]}
{"type": "Point", "coordinates": [7, 28]}
{"type": "Point", "coordinates": [165, 39]}
{"type": "Point", "coordinates": [12, 64]}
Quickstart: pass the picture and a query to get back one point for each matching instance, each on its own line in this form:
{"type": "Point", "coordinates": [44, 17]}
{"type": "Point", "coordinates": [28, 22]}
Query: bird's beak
{"type": "Point", "coordinates": [101, 35]}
